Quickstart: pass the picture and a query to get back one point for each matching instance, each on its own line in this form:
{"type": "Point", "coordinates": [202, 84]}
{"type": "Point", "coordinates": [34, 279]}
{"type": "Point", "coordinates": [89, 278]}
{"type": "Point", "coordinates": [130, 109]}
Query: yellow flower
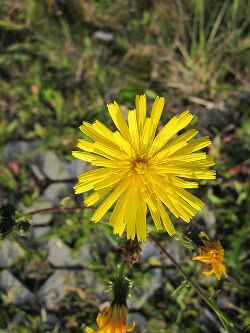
{"type": "Point", "coordinates": [142, 169]}
{"type": "Point", "coordinates": [212, 253]}
{"type": "Point", "coordinates": [112, 320]}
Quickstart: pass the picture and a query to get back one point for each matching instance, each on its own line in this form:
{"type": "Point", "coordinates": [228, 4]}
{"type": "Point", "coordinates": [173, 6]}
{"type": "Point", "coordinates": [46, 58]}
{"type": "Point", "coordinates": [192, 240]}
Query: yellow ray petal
{"type": "Point", "coordinates": [194, 146]}
{"type": "Point", "coordinates": [109, 201]}
{"type": "Point", "coordinates": [163, 192]}
{"type": "Point", "coordinates": [165, 219]}
{"type": "Point", "coordinates": [174, 145]}
{"type": "Point", "coordinates": [156, 218]}
{"type": "Point", "coordinates": [119, 121]}
{"type": "Point", "coordinates": [176, 181]}
{"type": "Point", "coordinates": [123, 144]}
{"type": "Point", "coordinates": [96, 196]}
{"type": "Point", "coordinates": [86, 145]}
{"type": "Point", "coordinates": [102, 130]}
{"type": "Point", "coordinates": [133, 130]}
{"type": "Point", "coordinates": [116, 217]}
{"type": "Point", "coordinates": [131, 211]}
{"type": "Point", "coordinates": [92, 175]}
{"type": "Point", "coordinates": [111, 180]}
{"type": "Point", "coordinates": [187, 158]}
{"type": "Point", "coordinates": [141, 220]}
{"type": "Point", "coordinates": [141, 107]}
{"type": "Point", "coordinates": [84, 156]}
{"type": "Point", "coordinates": [190, 198]}
{"type": "Point", "coordinates": [156, 114]}
{"type": "Point", "coordinates": [109, 152]}
{"type": "Point", "coordinates": [169, 130]}
{"type": "Point", "coordinates": [146, 136]}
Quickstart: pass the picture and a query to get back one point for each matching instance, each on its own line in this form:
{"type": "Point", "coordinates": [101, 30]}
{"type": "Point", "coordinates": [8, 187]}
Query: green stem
{"type": "Point", "coordinates": [121, 270]}
{"type": "Point", "coordinates": [227, 323]}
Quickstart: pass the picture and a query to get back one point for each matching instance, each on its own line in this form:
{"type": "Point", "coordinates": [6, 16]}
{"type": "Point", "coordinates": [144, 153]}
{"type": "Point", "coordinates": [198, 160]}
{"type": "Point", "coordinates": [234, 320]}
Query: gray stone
{"type": "Point", "coordinates": [55, 288]}
{"type": "Point", "coordinates": [51, 321]}
{"type": "Point", "coordinates": [172, 247]}
{"type": "Point", "coordinates": [59, 254]}
{"type": "Point", "coordinates": [37, 172]}
{"type": "Point", "coordinates": [141, 321]}
{"type": "Point", "coordinates": [10, 251]}
{"type": "Point", "coordinates": [104, 36]}
{"type": "Point", "coordinates": [149, 285]}
{"type": "Point", "coordinates": [38, 232]}
{"type": "Point", "coordinates": [41, 218]}
{"type": "Point", "coordinates": [17, 293]}
{"type": "Point", "coordinates": [56, 169]}
{"type": "Point", "coordinates": [85, 253]}
{"type": "Point", "coordinates": [149, 250]}
{"type": "Point", "coordinates": [12, 150]}
{"type": "Point", "coordinates": [91, 279]}
{"type": "Point", "coordinates": [54, 193]}
{"type": "Point", "coordinates": [210, 221]}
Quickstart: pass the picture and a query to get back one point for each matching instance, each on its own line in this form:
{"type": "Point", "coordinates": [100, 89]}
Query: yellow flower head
{"type": "Point", "coordinates": [212, 253]}
{"type": "Point", "coordinates": [112, 320]}
{"type": "Point", "coordinates": [142, 169]}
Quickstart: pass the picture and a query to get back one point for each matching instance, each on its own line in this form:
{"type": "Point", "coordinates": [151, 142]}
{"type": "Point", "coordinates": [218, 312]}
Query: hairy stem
{"type": "Point", "coordinates": [227, 323]}
{"type": "Point", "coordinates": [56, 209]}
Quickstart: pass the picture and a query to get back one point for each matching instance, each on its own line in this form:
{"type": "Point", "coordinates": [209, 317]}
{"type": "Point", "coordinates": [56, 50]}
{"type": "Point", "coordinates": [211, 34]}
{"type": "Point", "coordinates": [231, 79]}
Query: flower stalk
{"type": "Point", "coordinates": [225, 320]}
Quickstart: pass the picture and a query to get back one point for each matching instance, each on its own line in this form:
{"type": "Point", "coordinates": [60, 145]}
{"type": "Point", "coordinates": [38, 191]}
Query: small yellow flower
{"type": "Point", "coordinates": [112, 320]}
{"type": "Point", "coordinates": [144, 170]}
{"type": "Point", "coordinates": [212, 253]}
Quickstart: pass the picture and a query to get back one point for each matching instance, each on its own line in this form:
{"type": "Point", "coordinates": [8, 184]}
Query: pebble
{"type": "Point", "coordinates": [10, 251]}
{"type": "Point", "coordinates": [55, 192]}
{"type": "Point", "coordinates": [142, 293]}
{"type": "Point", "coordinates": [141, 321]}
{"type": "Point", "coordinates": [149, 250]}
{"type": "Point", "coordinates": [40, 218]}
{"type": "Point", "coordinates": [59, 254]}
{"type": "Point", "coordinates": [55, 288]}
{"type": "Point", "coordinates": [104, 36]}
{"type": "Point", "coordinates": [57, 169]}
{"type": "Point", "coordinates": [17, 293]}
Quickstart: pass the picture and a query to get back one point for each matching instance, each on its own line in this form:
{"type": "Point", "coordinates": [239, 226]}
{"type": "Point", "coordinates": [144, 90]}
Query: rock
{"type": "Point", "coordinates": [104, 36]}
{"type": "Point", "coordinates": [12, 150]}
{"type": "Point", "coordinates": [17, 293]}
{"type": "Point", "coordinates": [91, 279]}
{"type": "Point", "coordinates": [10, 251]}
{"type": "Point", "coordinates": [54, 193]}
{"type": "Point", "coordinates": [41, 218]}
{"type": "Point", "coordinates": [149, 285]}
{"type": "Point", "coordinates": [39, 232]}
{"type": "Point", "coordinates": [37, 173]}
{"type": "Point", "coordinates": [56, 169]}
{"type": "Point", "coordinates": [141, 321]}
{"type": "Point", "coordinates": [85, 253]}
{"type": "Point", "coordinates": [59, 254]}
{"type": "Point", "coordinates": [50, 321]}
{"type": "Point", "coordinates": [172, 247]}
{"type": "Point", "coordinates": [149, 250]}
{"type": "Point", "coordinates": [55, 288]}
{"type": "Point", "coordinates": [210, 221]}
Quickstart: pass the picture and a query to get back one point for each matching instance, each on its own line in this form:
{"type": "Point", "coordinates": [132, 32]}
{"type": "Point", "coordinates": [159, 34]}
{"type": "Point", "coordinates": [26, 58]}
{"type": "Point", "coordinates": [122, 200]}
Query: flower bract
{"type": "Point", "coordinates": [212, 253]}
{"type": "Point", "coordinates": [112, 320]}
{"type": "Point", "coordinates": [140, 170]}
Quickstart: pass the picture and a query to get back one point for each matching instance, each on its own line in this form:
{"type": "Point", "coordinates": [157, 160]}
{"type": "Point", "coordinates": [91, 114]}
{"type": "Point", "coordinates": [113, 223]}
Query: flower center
{"type": "Point", "coordinates": [140, 167]}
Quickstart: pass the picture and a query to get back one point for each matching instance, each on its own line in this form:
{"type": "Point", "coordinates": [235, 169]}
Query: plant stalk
{"type": "Point", "coordinates": [225, 320]}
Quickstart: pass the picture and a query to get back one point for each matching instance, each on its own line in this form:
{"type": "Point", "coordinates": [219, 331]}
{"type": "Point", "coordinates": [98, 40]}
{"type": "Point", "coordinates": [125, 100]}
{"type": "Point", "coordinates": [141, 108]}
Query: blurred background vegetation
{"type": "Point", "coordinates": [61, 62]}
